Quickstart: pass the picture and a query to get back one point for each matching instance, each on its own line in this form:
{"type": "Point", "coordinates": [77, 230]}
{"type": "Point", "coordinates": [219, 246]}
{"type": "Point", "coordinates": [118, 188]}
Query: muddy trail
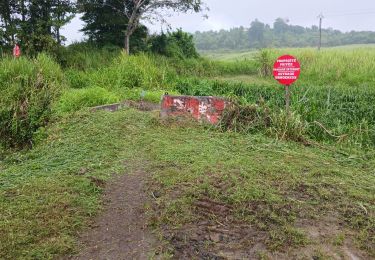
{"type": "Point", "coordinates": [120, 231]}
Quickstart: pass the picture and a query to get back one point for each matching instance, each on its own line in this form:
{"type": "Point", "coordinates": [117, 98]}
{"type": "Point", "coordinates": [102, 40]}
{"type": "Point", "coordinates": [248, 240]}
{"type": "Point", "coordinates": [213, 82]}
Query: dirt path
{"type": "Point", "coordinates": [120, 231]}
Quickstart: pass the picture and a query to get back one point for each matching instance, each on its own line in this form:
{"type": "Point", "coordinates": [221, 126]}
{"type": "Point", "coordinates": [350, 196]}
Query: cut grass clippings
{"type": "Point", "coordinates": [279, 189]}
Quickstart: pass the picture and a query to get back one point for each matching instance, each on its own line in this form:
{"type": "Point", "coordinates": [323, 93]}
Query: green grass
{"type": "Point", "coordinates": [285, 182]}
{"type": "Point", "coordinates": [351, 66]}
{"type": "Point", "coordinates": [333, 95]}
{"type": "Point", "coordinates": [76, 99]}
{"type": "Point", "coordinates": [333, 113]}
{"type": "Point", "coordinates": [230, 55]}
{"type": "Point", "coordinates": [47, 194]}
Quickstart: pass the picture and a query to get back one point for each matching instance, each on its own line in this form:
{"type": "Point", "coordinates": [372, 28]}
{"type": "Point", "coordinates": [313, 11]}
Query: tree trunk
{"type": "Point", "coordinates": [127, 43]}
{"type": "Point", "coordinates": [131, 27]}
{"type": "Point", "coordinates": [58, 25]}
{"type": "Point", "coordinates": [23, 11]}
{"type": "Point", "coordinates": [58, 36]}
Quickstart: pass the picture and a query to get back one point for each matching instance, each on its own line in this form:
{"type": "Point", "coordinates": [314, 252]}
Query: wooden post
{"type": "Point", "coordinates": [287, 99]}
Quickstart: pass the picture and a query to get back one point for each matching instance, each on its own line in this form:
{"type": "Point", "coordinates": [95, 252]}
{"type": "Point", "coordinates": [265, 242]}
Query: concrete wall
{"type": "Point", "coordinates": [207, 109]}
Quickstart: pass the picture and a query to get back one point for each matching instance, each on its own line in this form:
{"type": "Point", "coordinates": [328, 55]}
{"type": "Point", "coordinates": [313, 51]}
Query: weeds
{"type": "Point", "coordinates": [246, 119]}
{"type": "Point", "coordinates": [258, 118]}
{"type": "Point", "coordinates": [264, 63]}
{"type": "Point", "coordinates": [337, 112]}
{"type": "Point", "coordinates": [288, 126]}
{"type": "Point", "coordinates": [28, 89]}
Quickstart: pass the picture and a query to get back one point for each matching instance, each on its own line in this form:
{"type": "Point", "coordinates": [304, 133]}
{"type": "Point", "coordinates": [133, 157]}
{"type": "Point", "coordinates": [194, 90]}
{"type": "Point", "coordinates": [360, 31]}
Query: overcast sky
{"type": "Point", "coordinates": [345, 15]}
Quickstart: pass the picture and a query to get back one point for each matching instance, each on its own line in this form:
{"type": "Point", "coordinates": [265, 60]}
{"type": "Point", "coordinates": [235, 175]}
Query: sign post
{"type": "Point", "coordinates": [286, 70]}
{"type": "Point", "coordinates": [287, 98]}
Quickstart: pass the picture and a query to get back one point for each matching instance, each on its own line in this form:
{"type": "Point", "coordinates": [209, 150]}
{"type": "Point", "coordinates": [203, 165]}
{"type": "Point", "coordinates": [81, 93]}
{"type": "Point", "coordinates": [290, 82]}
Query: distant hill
{"type": "Point", "coordinates": [281, 34]}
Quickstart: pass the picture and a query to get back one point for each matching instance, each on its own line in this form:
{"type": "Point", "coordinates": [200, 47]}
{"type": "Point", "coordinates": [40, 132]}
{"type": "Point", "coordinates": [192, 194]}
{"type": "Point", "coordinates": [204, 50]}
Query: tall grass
{"type": "Point", "coordinates": [132, 72]}
{"type": "Point", "coordinates": [348, 67]}
{"type": "Point", "coordinates": [334, 113]}
{"type": "Point", "coordinates": [84, 56]}
{"type": "Point", "coordinates": [334, 95]}
{"type": "Point", "coordinates": [76, 99]}
{"type": "Point", "coordinates": [27, 90]}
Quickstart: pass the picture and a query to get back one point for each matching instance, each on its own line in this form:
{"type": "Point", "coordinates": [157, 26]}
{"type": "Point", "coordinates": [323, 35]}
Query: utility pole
{"type": "Point", "coordinates": [320, 30]}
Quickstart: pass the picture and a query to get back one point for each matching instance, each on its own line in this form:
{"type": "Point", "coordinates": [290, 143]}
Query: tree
{"type": "Point", "coordinates": [137, 10]}
{"type": "Point", "coordinates": [8, 21]}
{"type": "Point", "coordinates": [280, 25]}
{"type": "Point", "coordinates": [105, 25]}
{"type": "Point", "coordinates": [176, 44]}
{"type": "Point", "coordinates": [35, 23]}
{"type": "Point", "coordinates": [281, 35]}
{"type": "Point", "coordinates": [63, 11]}
{"type": "Point", "coordinates": [256, 34]}
{"type": "Point", "coordinates": [44, 18]}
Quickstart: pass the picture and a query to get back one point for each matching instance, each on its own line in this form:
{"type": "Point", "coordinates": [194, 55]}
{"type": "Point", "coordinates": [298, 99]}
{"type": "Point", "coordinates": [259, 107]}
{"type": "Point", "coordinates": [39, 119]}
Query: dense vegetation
{"type": "Point", "coordinates": [331, 102]}
{"type": "Point", "coordinates": [333, 98]}
{"type": "Point", "coordinates": [281, 34]}
{"type": "Point", "coordinates": [35, 25]}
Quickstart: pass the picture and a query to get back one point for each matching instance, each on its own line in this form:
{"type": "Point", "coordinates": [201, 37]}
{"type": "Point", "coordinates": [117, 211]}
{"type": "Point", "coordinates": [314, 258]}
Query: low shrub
{"type": "Point", "coordinates": [28, 87]}
{"type": "Point", "coordinates": [334, 113]}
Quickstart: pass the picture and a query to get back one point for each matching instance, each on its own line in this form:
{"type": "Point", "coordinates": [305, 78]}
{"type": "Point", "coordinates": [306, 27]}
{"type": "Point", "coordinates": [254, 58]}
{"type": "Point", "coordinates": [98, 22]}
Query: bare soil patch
{"type": "Point", "coordinates": [120, 231]}
{"type": "Point", "coordinates": [216, 235]}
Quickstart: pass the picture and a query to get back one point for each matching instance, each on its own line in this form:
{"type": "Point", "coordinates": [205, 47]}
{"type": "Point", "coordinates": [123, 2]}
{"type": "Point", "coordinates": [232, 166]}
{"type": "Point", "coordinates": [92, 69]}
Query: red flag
{"type": "Point", "coordinates": [16, 51]}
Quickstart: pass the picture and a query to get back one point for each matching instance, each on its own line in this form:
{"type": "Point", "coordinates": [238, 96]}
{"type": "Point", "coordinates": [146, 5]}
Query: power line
{"type": "Point", "coordinates": [350, 14]}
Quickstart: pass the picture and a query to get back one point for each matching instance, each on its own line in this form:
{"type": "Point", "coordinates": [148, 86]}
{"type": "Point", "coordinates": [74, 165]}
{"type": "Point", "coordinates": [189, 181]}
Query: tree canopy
{"type": "Point", "coordinates": [152, 10]}
{"type": "Point", "coordinates": [105, 25]}
{"type": "Point", "coordinates": [281, 34]}
{"type": "Point", "coordinates": [35, 24]}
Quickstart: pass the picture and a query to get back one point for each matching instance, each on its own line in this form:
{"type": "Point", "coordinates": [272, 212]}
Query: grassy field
{"type": "Point", "coordinates": [277, 192]}
{"type": "Point", "coordinates": [230, 55]}
{"type": "Point", "coordinates": [50, 192]}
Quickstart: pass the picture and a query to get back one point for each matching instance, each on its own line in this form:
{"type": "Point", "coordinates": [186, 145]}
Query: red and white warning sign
{"type": "Point", "coordinates": [286, 70]}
